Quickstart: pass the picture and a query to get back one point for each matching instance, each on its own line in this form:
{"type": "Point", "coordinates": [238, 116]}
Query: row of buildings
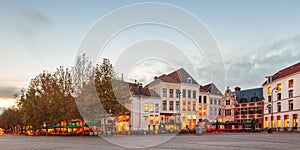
{"type": "Point", "coordinates": [176, 101]}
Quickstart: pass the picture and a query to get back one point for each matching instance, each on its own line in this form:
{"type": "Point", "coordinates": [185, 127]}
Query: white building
{"type": "Point", "coordinates": [145, 111]}
{"type": "Point", "coordinates": [210, 102]}
{"type": "Point", "coordinates": [282, 93]}
{"type": "Point", "coordinates": [179, 93]}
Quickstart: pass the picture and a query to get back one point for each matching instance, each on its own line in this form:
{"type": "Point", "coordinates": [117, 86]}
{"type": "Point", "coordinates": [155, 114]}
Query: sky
{"type": "Point", "coordinates": [255, 39]}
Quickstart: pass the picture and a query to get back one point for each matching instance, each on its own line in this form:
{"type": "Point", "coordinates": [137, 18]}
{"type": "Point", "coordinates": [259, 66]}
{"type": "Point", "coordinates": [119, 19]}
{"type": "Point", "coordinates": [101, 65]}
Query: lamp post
{"type": "Point", "coordinates": [272, 126]}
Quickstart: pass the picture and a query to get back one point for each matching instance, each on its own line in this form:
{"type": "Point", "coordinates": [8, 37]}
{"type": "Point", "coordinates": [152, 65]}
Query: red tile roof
{"type": "Point", "coordinates": [285, 72]}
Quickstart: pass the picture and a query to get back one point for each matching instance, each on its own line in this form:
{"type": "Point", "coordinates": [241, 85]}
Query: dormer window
{"type": "Point", "coordinates": [189, 80]}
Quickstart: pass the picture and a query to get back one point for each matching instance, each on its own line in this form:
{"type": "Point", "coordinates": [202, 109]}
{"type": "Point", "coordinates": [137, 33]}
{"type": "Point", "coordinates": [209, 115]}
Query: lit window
{"type": "Point", "coordinates": [189, 106]}
{"type": "Point", "coordinates": [156, 118]}
{"type": "Point", "coordinates": [194, 106]}
{"type": "Point", "coordinates": [184, 105]}
{"type": "Point", "coordinates": [151, 119]}
{"type": "Point", "coordinates": [279, 87]}
{"type": "Point", "coordinates": [291, 83]}
{"type": "Point", "coordinates": [269, 90]}
{"type": "Point", "coordinates": [200, 110]}
{"type": "Point", "coordinates": [151, 107]}
{"type": "Point", "coordinates": [146, 108]}
{"type": "Point", "coordinates": [204, 110]}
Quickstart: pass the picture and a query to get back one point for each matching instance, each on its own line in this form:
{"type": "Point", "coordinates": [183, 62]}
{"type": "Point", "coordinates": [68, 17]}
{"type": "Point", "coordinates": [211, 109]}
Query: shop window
{"type": "Point", "coordinates": [286, 121]}
{"type": "Point", "coordinates": [266, 122]}
{"type": "Point", "coordinates": [278, 121]}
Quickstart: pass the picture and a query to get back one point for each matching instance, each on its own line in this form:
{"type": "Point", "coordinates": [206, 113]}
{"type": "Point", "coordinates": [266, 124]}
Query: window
{"type": "Point", "coordinates": [151, 107]}
{"type": "Point", "coordinates": [269, 109]}
{"type": "Point", "coordinates": [146, 108]}
{"type": "Point", "coordinates": [279, 87]}
{"type": "Point", "coordinates": [269, 90]}
{"type": "Point", "coordinates": [189, 105]}
{"type": "Point", "coordinates": [219, 102]}
{"type": "Point", "coordinates": [210, 110]}
{"type": "Point", "coordinates": [164, 105]}
{"type": "Point", "coordinates": [194, 106]}
{"type": "Point", "coordinates": [177, 93]}
{"type": "Point", "coordinates": [156, 118]}
{"type": "Point", "coordinates": [184, 105]}
{"type": "Point", "coordinates": [227, 112]}
{"type": "Point", "coordinates": [177, 105]}
{"type": "Point", "coordinates": [151, 119]}
{"type": "Point", "coordinates": [171, 93]}
{"type": "Point", "coordinates": [164, 92]}
{"type": "Point", "coordinates": [194, 94]}
{"type": "Point", "coordinates": [291, 83]}
{"type": "Point", "coordinates": [279, 107]}
{"type": "Point", "coordinates": [171, 105]}
{"type": "Point", "coordinates": [227, 102]}
{"type": "Point", "coordinates": [254, 99]}
{"type": "Point", "coordinates": [184, 93]}
{"type": "Point", "coordinates": [204, 99]}
{"type": "Point", "coordinates": [219, 111]}
{"type": "Point", "coordinates": [156, 108]}
{"type": "Point", "coordinates": [200, 99]}
{"type": "Point", "coordinates": [200, 110]}
{"type": "Point", "coordinates": [279, 96]}
{"type": "Point", "coordinates": [291, 105]}
{"type": "Point", "coordinates": [188, 80]}
{"type": "Point", "coordinates": [290, 93]}
{"type": "Point", "coordinates": [216, 111]}
{"type": "Point", "coordinates": [269, 98]}
{"type": "Point", "coordinates": [210, 101]}
{"type": "Point", "coordinates": [204, 110]}
{"type": "Point", "coordinates": [215, 102]}
{"type": "Point", "coordinates": [189, 94]}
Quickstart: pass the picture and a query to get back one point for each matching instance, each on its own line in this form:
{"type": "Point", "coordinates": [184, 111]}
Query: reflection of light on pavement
{"type": "Point", "coordinates": [7, 102]}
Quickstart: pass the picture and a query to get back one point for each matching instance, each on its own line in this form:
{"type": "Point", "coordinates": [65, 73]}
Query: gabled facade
{"type": "Point", "coordinates": [179, 96]}
{"type": "Point", "coordinates": [282, 94]}
{"type": "Point", "coordinates": [228, 106]}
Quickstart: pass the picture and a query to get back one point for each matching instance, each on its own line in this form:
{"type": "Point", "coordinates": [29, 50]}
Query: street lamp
{"type": "Point", "coordinates": [270, 130]}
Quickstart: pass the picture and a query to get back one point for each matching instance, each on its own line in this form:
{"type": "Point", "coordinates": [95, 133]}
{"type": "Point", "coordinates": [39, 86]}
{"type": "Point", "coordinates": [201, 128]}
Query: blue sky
{"type": "Point", "coordinates": [256, 38]}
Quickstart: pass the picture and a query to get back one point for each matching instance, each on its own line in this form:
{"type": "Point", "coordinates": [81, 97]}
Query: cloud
{"type": "Point", "coordinates": [8, 91]}
{"type": "Point", "coordinates": [249, 71]}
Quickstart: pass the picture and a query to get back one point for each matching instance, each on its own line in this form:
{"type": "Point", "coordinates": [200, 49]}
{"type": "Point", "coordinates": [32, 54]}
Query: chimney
{"type": "Point", "coordinates": [237, 89]}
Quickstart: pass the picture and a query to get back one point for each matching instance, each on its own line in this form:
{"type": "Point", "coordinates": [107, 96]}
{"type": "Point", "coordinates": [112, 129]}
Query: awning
{"type": "Point", "coordinates": [248, 121]}
{"type": "Point", "coordinates": [94, 123]}
{"type": "Point", "coordinates": [73, 126]}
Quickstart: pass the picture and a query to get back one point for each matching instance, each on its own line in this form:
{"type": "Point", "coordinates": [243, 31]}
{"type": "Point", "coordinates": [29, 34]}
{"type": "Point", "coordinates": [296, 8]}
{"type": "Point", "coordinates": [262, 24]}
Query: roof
{"type": "Point", "coordinates": [178, 76]}
{"type": "Point", "coordinates": [136, 90]}
{"type": "Point", "coordinates": [249, 94]}
{"type": "Point", "coordinates": [285, 72]}
{"type": "Point", "coordinates": [210, 88]}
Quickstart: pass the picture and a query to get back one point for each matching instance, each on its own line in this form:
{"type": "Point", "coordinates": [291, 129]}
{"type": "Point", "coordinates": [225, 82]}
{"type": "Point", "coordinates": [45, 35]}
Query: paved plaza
{"type": "Point", "coordinates": [208, 141]}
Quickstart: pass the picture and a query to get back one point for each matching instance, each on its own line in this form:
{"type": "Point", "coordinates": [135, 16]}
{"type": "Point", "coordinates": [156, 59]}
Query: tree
{"type": "Point", "coordinates": [81, 73]}
{"type": "Point", "coordinates": [111, 91]}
